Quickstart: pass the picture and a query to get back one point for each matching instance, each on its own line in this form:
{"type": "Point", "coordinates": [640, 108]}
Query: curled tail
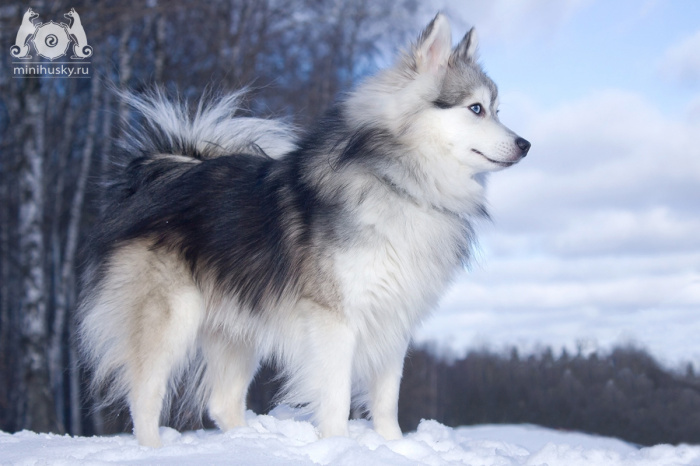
{"type": "Point", "coordinates": [211, 130]}
{"type": "Point", "coordinates": [168, 131]}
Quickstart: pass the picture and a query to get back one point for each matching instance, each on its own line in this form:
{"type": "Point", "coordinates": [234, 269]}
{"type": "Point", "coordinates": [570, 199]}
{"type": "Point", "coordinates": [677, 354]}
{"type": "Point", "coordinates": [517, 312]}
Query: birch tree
{"type": "Point", "coordinates": [66, 279]}
{"type": "Point", "coordinates": [37, 409]}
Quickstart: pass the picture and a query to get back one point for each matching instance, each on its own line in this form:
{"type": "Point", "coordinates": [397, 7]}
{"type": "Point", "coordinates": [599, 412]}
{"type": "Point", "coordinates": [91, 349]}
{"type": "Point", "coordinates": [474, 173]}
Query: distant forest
{"type": "Point", "coordinates": [624, 394]}
{"type": "Point", "coordinates": [297, 56]}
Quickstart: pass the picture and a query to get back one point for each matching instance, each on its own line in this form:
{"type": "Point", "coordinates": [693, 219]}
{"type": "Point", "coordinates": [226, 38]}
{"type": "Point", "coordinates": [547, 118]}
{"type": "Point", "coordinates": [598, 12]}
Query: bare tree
{"type": "Point", "coordinates": [124, 63]}
{"type": "Point", "coordinates": [37, 409]}
{"type": "Point", "coordinates": [67, 275]}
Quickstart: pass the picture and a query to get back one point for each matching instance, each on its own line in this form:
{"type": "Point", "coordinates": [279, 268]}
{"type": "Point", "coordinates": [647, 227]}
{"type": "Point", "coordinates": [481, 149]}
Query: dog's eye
{"type": "Point", "coordinates": [476, 108]}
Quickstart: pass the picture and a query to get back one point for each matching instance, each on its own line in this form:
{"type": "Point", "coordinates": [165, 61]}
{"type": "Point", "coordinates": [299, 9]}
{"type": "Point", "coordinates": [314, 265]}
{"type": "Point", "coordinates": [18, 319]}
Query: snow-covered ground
{"type": "Point", "coordinates": [283, 438]}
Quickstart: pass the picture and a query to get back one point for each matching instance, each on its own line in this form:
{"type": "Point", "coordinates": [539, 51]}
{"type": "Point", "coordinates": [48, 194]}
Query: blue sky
{"type": "Point", "coordinates": [596, 234]}
{"type": "Point", "coordinates": [601, 45]}
{"type": "Point", "coordinates": [589, 45]}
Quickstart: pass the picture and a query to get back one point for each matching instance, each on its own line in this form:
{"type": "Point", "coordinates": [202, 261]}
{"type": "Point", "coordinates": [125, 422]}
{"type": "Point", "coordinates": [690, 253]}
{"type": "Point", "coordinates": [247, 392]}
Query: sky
{"type": "Point", "coordinates": [595, 238]}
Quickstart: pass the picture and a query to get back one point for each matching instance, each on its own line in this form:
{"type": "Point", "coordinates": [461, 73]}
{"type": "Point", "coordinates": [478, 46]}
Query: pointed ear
{"type": "Point", "coordinates": [434, 44]}
{"type": "Point", "coordinates": [465, 52]}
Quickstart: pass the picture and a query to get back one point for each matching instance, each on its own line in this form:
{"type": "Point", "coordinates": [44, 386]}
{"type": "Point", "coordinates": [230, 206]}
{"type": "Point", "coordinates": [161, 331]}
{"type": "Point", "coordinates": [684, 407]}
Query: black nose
{"type": "Point", "coordinates": [523, 144]}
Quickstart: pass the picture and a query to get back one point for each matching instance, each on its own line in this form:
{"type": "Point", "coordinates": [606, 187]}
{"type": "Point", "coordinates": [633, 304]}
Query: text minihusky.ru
{"type": "Point", "coordinates": [52, 70]}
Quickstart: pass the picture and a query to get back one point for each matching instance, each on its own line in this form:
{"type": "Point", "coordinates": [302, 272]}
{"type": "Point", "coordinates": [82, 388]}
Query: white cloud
{"type": "Point", "coordinates": [600, 301]}
{"type": "Point", "coordinates": [606, 174]}
{"type": "Point", "coordinates": [681, 61]}
{"type": "Point", "coordinates": [508, 20]}
{"type": "Point", "coordinates": [598, 162]}
{"type": "Point", "coordinates": [628, 232]}
{"type": "Point", "coordinates": [693, 110]}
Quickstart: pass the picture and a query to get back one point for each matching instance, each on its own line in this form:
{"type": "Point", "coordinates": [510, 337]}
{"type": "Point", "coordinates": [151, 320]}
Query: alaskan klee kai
{"type": "Point", "coordinates": [228, 241]}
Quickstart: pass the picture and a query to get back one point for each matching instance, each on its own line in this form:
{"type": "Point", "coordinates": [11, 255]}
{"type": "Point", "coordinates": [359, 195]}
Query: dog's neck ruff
{"type": "Point", "coordinates": [401, 192]}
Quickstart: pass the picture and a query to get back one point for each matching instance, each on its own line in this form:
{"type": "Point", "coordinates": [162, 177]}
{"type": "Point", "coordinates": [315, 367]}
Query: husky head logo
{"type": "Point", "coordinates": [51, 40]}
{"type": "Point", "coordinates": [26, 30]}
{"type": "Point", "coordinates": [81, 49]}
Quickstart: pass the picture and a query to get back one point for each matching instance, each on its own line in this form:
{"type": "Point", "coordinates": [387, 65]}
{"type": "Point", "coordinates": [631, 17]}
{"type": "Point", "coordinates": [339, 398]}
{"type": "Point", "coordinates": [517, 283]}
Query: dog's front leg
{"type": "Point", "coordinates": [331, 352]}
{"type": "Point", "coordinates": [384, 397]}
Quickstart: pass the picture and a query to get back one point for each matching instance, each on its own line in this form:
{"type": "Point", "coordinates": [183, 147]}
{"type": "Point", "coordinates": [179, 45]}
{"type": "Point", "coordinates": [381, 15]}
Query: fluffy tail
{"type": "Point", "coordinates": [211, 130]}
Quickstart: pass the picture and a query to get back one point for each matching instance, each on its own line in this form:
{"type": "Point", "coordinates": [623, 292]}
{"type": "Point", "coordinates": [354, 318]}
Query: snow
{"type": "Point", "coordinates": [286, 438]}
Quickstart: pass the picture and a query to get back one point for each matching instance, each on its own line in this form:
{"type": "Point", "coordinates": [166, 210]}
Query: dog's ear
{"type": "Point", "coordinates": [433, 47]}
{"type": "Point", "coordinates": [465, 52]}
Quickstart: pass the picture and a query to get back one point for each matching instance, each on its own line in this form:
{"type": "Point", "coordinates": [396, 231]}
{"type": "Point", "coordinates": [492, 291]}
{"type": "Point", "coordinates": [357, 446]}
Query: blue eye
{"type": "Point", "coordinates": [476, 108]}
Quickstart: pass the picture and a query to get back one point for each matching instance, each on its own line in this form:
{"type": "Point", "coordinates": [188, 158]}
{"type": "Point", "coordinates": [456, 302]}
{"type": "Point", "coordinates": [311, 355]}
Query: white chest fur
{"type": "Point", "coordinates": [402, 258]}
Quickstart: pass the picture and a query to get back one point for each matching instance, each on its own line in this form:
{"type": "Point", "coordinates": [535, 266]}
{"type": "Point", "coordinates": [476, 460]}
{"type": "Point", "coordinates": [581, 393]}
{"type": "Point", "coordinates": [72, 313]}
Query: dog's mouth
{"type": "Point", "coordinates": [496, 162]}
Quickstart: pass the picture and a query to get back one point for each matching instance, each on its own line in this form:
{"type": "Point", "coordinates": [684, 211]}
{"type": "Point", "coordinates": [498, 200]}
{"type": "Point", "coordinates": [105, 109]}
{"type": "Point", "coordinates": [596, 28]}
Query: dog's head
{"type": "Point", "coordinates": [441, 97]}
{"type": "Point", "coordinates": [71, 14]}
{"type": "Point", "coordinates": [442, 109]}
{"type": "Point", "coordinates": [464, 100]}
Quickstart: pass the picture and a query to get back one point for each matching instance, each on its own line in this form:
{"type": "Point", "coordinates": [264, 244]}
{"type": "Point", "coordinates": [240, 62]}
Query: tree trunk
{"type": "Point", "coordinates": [5, 322]}
{"type": "Point", "coordinates": [160, 45]}
{"type": "Point", "coordinates": [37, 407]}
{"type": "Point", "coordinates": [66, 278]}
{"type": "Point", "coordinates": [124, 67]}
{"type": "Point", "coordinates": [63, 153]}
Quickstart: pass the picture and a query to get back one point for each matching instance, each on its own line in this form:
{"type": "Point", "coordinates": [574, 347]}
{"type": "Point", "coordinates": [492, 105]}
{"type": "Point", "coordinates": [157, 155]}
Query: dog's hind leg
{"type": "Point", "coordinates": [170, 325]}
{"type": "Point", "coordinates": [149, 319]}
{"type": "Point", "coordinates": [230, 367]}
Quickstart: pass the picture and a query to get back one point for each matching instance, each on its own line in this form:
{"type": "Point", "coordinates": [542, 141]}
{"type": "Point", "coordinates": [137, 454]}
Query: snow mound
{"type": "Point", "coordinates": [285, 438]}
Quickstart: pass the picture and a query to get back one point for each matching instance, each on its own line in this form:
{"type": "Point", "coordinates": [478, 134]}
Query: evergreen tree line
{"type": "Point", "coordinates": [624, 394]}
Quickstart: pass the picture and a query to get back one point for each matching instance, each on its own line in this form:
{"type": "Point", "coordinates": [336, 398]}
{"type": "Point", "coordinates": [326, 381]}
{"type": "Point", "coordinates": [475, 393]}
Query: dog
{"type": "Point", "coordinates": [229, 241]}
{"type": "Point", "coordinates": [26, 30]}
{"type": "Point", "coordinates": [75, 30]}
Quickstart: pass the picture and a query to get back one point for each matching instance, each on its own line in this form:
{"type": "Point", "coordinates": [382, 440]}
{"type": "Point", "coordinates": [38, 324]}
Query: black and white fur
{"type": "Point", "coordinates": [229, 240]}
